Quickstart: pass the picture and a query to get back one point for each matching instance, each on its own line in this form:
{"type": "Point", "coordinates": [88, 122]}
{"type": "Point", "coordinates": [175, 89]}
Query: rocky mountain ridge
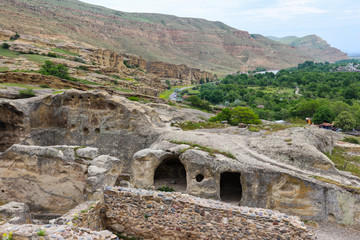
{"type": "Point", "coordinates": [212, 46]}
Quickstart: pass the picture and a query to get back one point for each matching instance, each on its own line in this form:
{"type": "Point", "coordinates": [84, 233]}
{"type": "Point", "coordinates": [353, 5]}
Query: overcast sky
{"type": "Point", "coordinates": [336, 21]}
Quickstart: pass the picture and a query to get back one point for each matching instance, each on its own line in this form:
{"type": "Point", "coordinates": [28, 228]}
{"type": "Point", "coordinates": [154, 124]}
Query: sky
{"type": "Point", "coordinates": [336, 21]}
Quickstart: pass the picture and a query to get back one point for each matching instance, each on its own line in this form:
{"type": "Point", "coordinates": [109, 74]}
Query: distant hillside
{"type": "Point", "coordinates": [313, 46]}
{"type": "Point", "coordinates": [211, 46]}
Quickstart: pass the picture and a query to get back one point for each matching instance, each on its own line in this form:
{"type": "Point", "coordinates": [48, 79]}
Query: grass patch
{"type": "Point", "coordinates": [254, 128]}
{"type": "Point", "coordinates": [58, 92]}
{"type": "Point", "coordinates": [63, 51]}
{"type": "Point", "coordinates": [165, 188]}
{"type": "Point", "coordinates": [8, 53]}
{"type": "Point", "coordinates": [3, 69]}
{"type": "Point", "coordinates": [36, 58]}
{"type": "Point", "coordinates": [351, 140]}
{"type": "Point", "coordinates": [133, 98]}
{"type": "Point", "coordinates": [348, 188]}
{"type": "Point", "coordinates": [345, 162]}
{"type": "Point", "coordinates": [211, 151]}
{"type": "Point", "coordinates": [27, 93]}
{"type": "Point", "coordinates": [19, 85]}
{"type": "Point", "coordinates": [89, 83]}
{"type": "Point", "coordinates": [166, 94]}
{"type": "Point", "coordinates": [186, 126]}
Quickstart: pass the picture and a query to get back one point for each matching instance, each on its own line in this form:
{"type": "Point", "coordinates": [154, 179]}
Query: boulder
{"type": "Point", "coordinates": [15, 212]}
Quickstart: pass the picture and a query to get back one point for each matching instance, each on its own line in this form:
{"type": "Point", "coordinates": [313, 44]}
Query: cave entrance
{"type": "Point", "coordinates": [230, 187]}
{"type": "Point", "coordinates": [171, 172]}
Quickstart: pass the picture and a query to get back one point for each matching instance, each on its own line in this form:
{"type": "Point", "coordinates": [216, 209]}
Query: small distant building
{"type": "Point", "coordinates": [309, 121]}
{"type": "Point", "coordinates": [261, 106]}
{"type": "Point", "coordinates": [326, 126]}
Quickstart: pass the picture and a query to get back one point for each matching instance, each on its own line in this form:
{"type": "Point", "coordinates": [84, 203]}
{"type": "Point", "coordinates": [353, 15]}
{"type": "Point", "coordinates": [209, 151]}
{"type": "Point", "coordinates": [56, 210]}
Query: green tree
{"type": "Point", "coordinates": [59, 70]}
{"type": "Point", "coordinates": [237, 115]}
{"type": "Point", "coordinates": [345, 121]}
{"type": "Point", "coordinates": [323, 114]}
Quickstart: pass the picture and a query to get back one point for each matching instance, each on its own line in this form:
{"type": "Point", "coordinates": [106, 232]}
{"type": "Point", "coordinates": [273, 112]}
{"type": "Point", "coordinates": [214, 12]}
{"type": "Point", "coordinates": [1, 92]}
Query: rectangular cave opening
{"type": "Point", "coordinates": [171, 172]}
{"type": "Point", "coordinates": [230, 187]}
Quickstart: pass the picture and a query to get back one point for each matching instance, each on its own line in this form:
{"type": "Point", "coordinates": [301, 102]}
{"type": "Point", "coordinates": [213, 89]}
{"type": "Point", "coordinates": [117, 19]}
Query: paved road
{"type": "Point", "coordinates": [174, 94]}
{"type": "Point", "coordinates": [297, 91]}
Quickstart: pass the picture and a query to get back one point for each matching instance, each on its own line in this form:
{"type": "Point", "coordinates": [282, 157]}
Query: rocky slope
{"type": "Point", "coordinates": [212, 46]}
{"type": "Point", "coordinates": [313, 46]}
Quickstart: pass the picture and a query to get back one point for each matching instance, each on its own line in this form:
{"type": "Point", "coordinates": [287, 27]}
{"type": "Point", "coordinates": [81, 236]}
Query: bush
{"type": "Point", "coordinates": [53, 55]}
{"type": "Point", "coordinates": [197, 102]}
{"type": "Point", "coordinates": [5, 45]}
{"type": "Point", "coordinates": [236, 116]}
{"type": "Point", "coordinates": [28, 93]}
{"type": "Point", "coordinates": [166, 188]}
{"type": "Point", "coordinates": [135, 99]}
{"type": "Point", "coordinates": [81, 60]}
{"type": "Point", "coordinates": [323, 115]}
{"type": "Point", "coordinates": [59, 70]}
{"type": "Point", "coordinates": [351, 140]}
{"type": "Point", "coordinates": [44, 86]}
{"type": "Point", "coordinates": [15, 37]}
{"type": "Point", "coordinates": [83, 67]}
{"type": "Point", "coordinates": [346, 121]}
{"type": "Point", "coordinates": [41, 232]}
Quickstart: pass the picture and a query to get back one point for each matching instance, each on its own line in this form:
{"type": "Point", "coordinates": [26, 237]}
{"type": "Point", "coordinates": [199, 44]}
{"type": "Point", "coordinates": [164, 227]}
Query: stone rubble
{"type": "Point", "coordinates": [159, 215]}
{"type": "Point", "coordinates": [54, 232]}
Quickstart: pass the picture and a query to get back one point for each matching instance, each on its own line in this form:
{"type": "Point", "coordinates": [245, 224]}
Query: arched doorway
{"type": "Point", "coordinates": [171, 172]}
{"type": "Point", "coordinates": [230, 187]}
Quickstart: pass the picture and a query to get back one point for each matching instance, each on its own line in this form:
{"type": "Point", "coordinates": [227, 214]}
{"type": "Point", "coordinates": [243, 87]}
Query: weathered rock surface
{"type": "Point", "coordinates": [15, 213]}
{"type": "Point", "coordinates": [54, 179]}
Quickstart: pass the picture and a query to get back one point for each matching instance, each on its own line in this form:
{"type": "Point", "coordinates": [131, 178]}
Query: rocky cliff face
{"type": "Point", "coordinates": [189, 75]}
{"type": "Point", "coordinates": [212, 46]}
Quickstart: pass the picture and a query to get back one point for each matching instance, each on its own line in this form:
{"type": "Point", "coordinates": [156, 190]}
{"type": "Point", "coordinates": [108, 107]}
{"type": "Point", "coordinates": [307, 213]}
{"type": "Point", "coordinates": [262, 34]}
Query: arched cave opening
{"type": "Point", "coordinates": [230, 187]}
{"type": "Point", "coordinates": [171, 172]}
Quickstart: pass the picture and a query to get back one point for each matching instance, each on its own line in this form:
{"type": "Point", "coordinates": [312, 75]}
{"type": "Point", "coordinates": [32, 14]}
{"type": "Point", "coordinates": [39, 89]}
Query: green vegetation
{"type": "Point", "coordinates": [197, 102]}
{"type": "Point", "coordinates": [348, 188]}
{"type": "Point", "coordinates": [165, 188]}
{"type": "Point", "coordinates": [323, 94]}
{"type": "Point", "coordinates": [237, 115]}
{"type": "Point", "coordinates": [8, 53]}
{"type": "Point", "coordinates": [351, 140]}
{"type": "Point", "coordinates": [211, 151]}
{"type": "Point", "coordinates": [186, 126]}
{"type": "Point", "coordinates": [59, 70]}
{"type": "Point", "coordinates": [345, 162]}
{"type": "Point", "coordinates": [19, 85]}
{"type": "Point", "coordinates": [5, 45]}
{"type": "Point", "coordinates": [26, 93]}
{"type": "Point", "coordinates": [133, 98]}
{"type": "Point", "coordinates": [53, 55]}
{"type": "Point", "coordinates": [44, 86]}
{"type": "Point", "coordinates": [3, 69]}
{"type": "Point", "coordinates": [63, 51]}
{"type": "Point", "coordinates": [41, 232]}
{"type": "Point", "coordinates": [346, 121]}
{"type": "Point", "coordinates": [7, 236]}
{"type": "Point", "coordinates": [15, 37]}
{"type": "Point", "coordinates": [36, 58]}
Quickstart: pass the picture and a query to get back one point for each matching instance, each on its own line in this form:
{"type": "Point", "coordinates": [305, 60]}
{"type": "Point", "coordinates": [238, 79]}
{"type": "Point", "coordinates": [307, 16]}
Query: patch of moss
{"type": "Point", "coordinates": [348, 188]}
{"type": "Point", "coordinates": [211, 151]}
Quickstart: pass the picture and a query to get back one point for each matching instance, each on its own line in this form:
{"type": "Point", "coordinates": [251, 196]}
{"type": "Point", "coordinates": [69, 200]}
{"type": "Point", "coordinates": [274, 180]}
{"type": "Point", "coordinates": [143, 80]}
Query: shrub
{"type": "Point", "coordinates": [351, 140]}
{"type": "Point", "coordinates": [44, 86]}
{"type": "Point", "coordinates": [197, 102]}
{"type": "Point", "coordinates": [7, 236]}
{"type": "Point", "coordinates": [127, 64]}
{"type": "Point", "coordinates": [236, 116]}
{"type": "Point", "coordinates": [41, 232]}
{"type": "Point", "coordinates": [59, 70]}
{"type": "Point", "coordinates": [83, 67]}
{"type": "Point", "coordinates": [5, 45]}
{"type": "Point", "coordinates": [27, 93]}
{"type": "Point", "coordinates": [80, 60]}
{"type": "Point", "coordinates": [345, 120]}
{"type": "Point", "coordinates": [166, 188]}
{"type": "Point", "coordinates": [15, 37]}
{"type": "Point", "coordinates": [53, 55]}
{"type": "Point", "coordinates": [135, 99]}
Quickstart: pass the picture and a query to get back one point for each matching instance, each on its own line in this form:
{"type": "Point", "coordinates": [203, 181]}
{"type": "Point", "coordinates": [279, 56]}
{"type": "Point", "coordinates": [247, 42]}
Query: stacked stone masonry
{"type": "Point", "coordinates": [160, 215]}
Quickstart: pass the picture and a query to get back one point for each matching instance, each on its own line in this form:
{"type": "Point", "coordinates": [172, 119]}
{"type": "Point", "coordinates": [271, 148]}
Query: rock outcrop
{"type": "Point", "coordinates": [57, 178]}
{"type": "Point", "coordinates": [107, 58]}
